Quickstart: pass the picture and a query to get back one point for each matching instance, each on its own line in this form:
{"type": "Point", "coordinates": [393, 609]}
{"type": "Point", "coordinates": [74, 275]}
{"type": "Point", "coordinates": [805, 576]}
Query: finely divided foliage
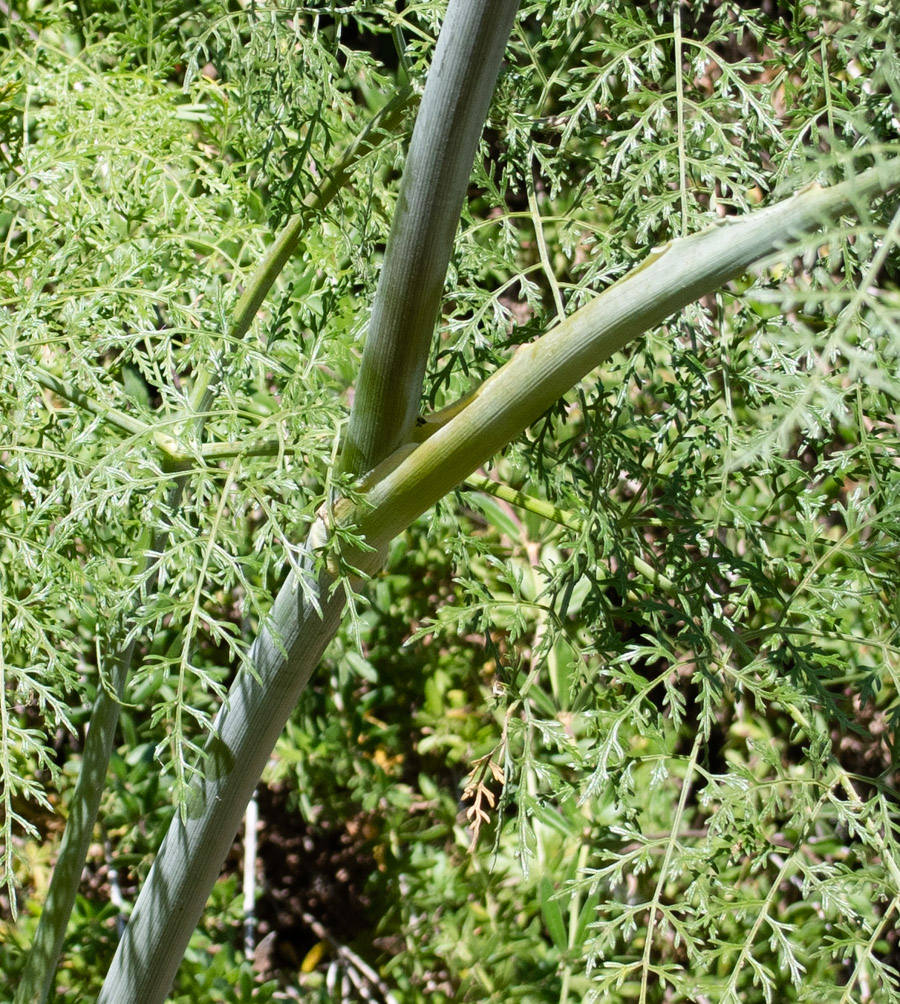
{"type": "Point", "coordinates": [636, 745]}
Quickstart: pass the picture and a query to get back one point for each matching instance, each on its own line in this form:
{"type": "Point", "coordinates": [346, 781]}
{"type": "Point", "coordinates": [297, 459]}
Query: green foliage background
{"type": "Point", "coordinates": [675, 707]}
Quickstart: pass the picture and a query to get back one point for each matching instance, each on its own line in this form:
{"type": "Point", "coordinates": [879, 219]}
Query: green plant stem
{"type": "Point", "coordinates": [284, 656]}
{"type": "Point", "coordinates": [446, 134]}
{"type": "Point", "coordinates": [540, 372]}
{"type": "Point", "coordinates": [174, 451]}
{"type": "Point", "coordinates": [119, 419]}
{"type": "Point", "coordinates": [564, 517]}
{"type": "Point", "coordinates": [283, 248]}
{"type": "Point", "coordinates": [302, 620]}
{"type": "Point", "coordinates": [43, 957]}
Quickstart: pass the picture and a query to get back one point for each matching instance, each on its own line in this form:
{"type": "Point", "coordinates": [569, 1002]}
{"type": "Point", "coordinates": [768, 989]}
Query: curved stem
{"type": "Point", "coordinates": [285, 244]}
{"type": "Point", "coordinates": [306, 614]}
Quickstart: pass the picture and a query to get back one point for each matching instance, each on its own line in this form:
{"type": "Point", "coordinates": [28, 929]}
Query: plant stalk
{"type": "Point", "coordinates": [173, 896]}
{"type": "Point", "coordinates": [448, 127]}
{"type": "Point", "coordinates": [43, 956]}
{"type": "Point", "coordinates": [540, 372]}
{"type": "Point", "coordinates": [439, 163]}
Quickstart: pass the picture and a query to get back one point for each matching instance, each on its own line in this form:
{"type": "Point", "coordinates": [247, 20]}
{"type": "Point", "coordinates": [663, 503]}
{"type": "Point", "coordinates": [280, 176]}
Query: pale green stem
{"type": "Point", "coordinates": [564, 517]}
{"type": "Point", "coordinates": [44, 954]}
{"type": "Point", "coordinates": [285, 244]}
{"type": "Point", "coordinates": [127, 423]}
{"type": "Point", "coordinates": [405, 309]}
{"type": "Point", "coordinates": [540, 372]}
{"type": "Point", "coordinates": [284, 656]}
{"type": "Point", "coordinates": [168, 445]}
{"type": "Point", "coordinates": [537, 222]}
{"type": "Point", "coordinates": [448, 127]}
{"type": "Point", "coordinates": [653, 912]}
{"type": "Point", "coordinates": [575, 904]}
{"type": "Point", "coordinates": [679, 108]}
{"type": "Point", "coordinates": [304, 618]}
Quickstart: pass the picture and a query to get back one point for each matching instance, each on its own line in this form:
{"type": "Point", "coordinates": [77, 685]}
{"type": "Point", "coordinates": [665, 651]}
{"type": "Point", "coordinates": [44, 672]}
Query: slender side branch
{"type": "Point", "coordinates": [121, 420]}
{"type": "Point", "coordinates": [547, 510]}
{"type": "Point", "coordinates": [285, 244]}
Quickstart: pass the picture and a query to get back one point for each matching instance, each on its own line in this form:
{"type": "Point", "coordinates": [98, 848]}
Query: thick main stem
{"type": "Point", "coordinates": [193, 851]}
{"type": "Point", "coordinates": [173, 896]}
{"type": "Point", "coordinates": [43, 956]}
{"type": "Point", "coordinates": [454, 106]}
